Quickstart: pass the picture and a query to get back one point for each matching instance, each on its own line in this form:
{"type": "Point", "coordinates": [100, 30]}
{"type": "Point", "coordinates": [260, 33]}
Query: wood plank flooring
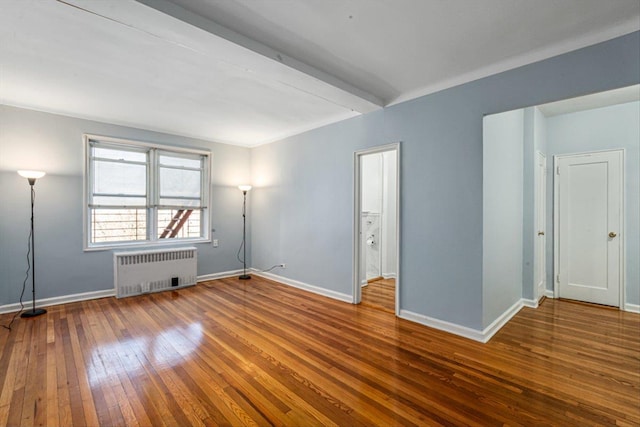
{"type": "Point", "coordinates": [380, 294]}
{"type": "Point", "coordinates": [258, 353]}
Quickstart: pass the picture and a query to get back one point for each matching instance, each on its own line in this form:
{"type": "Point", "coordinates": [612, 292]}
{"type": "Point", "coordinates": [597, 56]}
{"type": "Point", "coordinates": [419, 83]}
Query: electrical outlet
{"type": "Point", "coordinates": [215, 243]}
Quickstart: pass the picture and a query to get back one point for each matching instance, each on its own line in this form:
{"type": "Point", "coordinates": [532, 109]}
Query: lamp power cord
{"type": "Point", "coordinates": [24, 284]}
{"type": "Point", "coordinates": [258, 271]}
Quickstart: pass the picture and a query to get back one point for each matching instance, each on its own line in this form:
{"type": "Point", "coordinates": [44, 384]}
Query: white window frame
{"type": "Point", "coordinates": [152, 206]}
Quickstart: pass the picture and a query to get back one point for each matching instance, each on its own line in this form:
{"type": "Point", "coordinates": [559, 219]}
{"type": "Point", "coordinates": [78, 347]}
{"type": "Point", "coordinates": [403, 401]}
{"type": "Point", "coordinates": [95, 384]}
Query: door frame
{"type": "Point", "coordinates": [536, 211]}
{"type": "Point", "coordinates": [357, 223]}
{"type": "Point", "coordinates": [556, 221]}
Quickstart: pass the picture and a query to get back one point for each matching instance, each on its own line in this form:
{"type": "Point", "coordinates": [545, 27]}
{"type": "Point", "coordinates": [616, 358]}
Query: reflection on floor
{"type": "Point", "coordinates": [380, 294]}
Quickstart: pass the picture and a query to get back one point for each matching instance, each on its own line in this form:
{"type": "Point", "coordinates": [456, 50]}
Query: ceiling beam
{"type": "Point", "coordinates": [308, 79]}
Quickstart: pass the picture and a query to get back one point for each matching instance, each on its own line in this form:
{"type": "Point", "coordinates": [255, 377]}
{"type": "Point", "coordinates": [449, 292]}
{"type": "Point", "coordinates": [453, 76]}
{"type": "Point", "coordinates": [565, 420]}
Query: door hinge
{"type": "Point", "coordinates": [557, 170]}
{"type": "Point", "coordinates": [557, 278]}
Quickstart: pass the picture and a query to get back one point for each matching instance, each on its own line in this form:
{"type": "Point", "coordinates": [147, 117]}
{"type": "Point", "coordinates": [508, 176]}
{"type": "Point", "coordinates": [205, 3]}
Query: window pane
{"type": "Point", "coordinates": [109, 153]}
{"type": "Point", "coordinates": [187, 162]}
{"type": "Point", "coordinates": [119, 201]}
{"type": "Point", "coordinates": [119, 178]}
{"type": "Point", "coordinates": [179, 183]}
{"type": "Point", "coordinates": [169, 223]}
{"type": "Point", "coordinates": [118, 225]}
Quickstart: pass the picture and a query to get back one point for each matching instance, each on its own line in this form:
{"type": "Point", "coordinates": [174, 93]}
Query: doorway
{"type": "Point", "coordinates": [376, 280]}
{"type": "Point", "coordinates": [588, 223]}
{"type": "Point", "coordinates": [588, 125]}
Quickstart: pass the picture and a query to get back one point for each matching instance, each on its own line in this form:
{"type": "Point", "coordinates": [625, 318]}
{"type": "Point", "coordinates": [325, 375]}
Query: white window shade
{"type": "Point", "coordinates": [180, 181]}
{"type": "Point", "coordinates": [119, 178]}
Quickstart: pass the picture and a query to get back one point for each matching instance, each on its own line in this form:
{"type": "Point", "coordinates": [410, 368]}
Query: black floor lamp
{"type": "Point", "coordinates": [31, 177]}
{"type": "Point", "coordinates": [244, 189]}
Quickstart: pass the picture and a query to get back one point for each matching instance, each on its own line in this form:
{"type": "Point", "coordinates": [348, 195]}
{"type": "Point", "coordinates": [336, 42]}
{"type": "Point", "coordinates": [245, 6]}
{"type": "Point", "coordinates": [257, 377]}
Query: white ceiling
{"type": "Point", "coordinates": [248, 72]}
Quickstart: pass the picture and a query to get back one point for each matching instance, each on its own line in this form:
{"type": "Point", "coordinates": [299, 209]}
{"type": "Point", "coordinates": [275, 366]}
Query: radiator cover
{"type": "Point", "coordinates": [143, 272]}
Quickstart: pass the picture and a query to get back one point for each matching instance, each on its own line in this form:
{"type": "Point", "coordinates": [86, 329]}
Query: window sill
{"type": "Point", "coordinates": [143, 245]}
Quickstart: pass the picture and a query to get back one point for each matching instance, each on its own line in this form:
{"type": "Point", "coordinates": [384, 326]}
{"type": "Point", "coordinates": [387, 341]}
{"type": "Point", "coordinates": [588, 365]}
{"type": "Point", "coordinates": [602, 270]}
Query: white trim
{"type": "Point", "coordinates": [85, 296]}
{"type": "Point", "coordinates": [64, 299]}
{"type": "Point", "coordinates": [536, 221]}
{"type": "Point", "coordinates": [502, 320]}
{"type": "Point", "coordinates": [128, 142]}
{"type": "Point", "coordinates": [633, 308]}
{"type": "Point", "coordinates": [453, 328]}
{"type": "Point", "coordinates": [531, 303]}
{"type": "Point", "coordinates": [389, 276]}
{"type": "Point", "coordinates": [355, 260]}
{"type": "Point", "coordinates": [304, 286]}
{"type": "Point", "coordinates": [556, 220]}
{"type": "Point", "coordinates": [473, 334]}
{"type": "Point", "coordinates": [549, 293]}
{"type": "Point", "coordinates": [221, 275]}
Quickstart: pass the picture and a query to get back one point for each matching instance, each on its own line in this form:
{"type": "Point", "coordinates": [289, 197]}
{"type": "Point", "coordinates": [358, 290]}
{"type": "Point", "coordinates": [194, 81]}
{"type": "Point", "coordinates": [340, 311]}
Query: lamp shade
{"type": "Point", "coordinates": [31, 174]}
{"type": "Point", "coordinates": [244, 187]}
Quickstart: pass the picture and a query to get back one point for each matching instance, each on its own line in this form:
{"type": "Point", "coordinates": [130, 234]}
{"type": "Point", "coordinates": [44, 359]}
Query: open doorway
{"type": "Point", "coordinates": [563, 177]}
{"type": "Point", "coordinates": [376, 228]}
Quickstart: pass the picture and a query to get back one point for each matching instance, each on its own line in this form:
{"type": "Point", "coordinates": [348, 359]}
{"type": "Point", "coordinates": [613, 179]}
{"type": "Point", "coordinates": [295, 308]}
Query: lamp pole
{"type": "Point", "coordinates": [244, 189]}
{"type": "Point", "coordinates": [31, 177]}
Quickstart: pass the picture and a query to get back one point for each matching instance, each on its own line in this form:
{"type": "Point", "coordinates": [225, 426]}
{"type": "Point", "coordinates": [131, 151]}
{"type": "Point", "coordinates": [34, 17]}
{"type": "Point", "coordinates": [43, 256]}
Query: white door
{"type": "Point", "coordinates": [589, 226]}
{"type": "Point", "coordinates": [539, 260]}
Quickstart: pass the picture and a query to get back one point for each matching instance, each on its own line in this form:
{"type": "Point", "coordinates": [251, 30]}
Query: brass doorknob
{"type": "Point", "coordinates": [612, 234]}
{"type": "Point", "coordinates": [540, 233]}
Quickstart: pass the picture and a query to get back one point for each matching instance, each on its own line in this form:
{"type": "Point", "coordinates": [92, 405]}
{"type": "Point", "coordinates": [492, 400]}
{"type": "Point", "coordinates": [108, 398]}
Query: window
{"type": "Point", "coordinates": [139, 193]}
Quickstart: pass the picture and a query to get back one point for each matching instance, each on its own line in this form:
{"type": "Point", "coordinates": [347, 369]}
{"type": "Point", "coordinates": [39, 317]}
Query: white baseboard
{"type": "Point", "coordinates": [633, 308]}
{"type": "Point", "coordinates": [46, 302]}
{"type": "Point", "coordinates": [443, 325]}
{"type": "Point", "coordinates": [389, 275]}
{"type": "Point", "coordinates": [305, 286]}
{"type": "Point", "coordinates": [84, 296]}
{"type": "Point", "coordinates": [531, 303]}
{"type": "Point", "coordinates": [466, 332]}
{"type": "Point", "coordinates": [221, 275]}
{"type": "Point", "coordinates": [502, 320]}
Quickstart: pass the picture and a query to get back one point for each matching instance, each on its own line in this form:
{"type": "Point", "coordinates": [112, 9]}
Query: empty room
{"type": "Point", "coordinates": [319, 213]}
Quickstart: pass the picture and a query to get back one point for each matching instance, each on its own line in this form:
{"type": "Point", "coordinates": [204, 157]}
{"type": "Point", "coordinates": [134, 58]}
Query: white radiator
{"type": "Point", "coordinates": [143, 272]}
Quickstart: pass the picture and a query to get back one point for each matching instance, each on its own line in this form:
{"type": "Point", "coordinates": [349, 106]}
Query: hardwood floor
{"type": "Point", "coordinates": [255, 352]}
{"type": "Point", "coordinates": [380, 294]}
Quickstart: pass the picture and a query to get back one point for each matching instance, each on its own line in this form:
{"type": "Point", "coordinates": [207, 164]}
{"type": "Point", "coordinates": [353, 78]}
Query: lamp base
{"type": "Point", "coordinates": [244, 277]}
{"type": "Point", "coordinates": [33, 313]}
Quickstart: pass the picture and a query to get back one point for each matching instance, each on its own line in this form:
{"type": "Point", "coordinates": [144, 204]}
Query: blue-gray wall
{"type": "Point", "coordinates": [304, 192]}
{"type": "Point", "coordinates": [53, 143]}
{"type": "Point", "coordinates": [605, 128]}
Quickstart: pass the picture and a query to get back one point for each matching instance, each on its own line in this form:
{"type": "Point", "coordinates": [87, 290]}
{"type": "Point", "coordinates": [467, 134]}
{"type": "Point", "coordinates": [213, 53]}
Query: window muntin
{"type": "Point", "coordinates": [142, 194]}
